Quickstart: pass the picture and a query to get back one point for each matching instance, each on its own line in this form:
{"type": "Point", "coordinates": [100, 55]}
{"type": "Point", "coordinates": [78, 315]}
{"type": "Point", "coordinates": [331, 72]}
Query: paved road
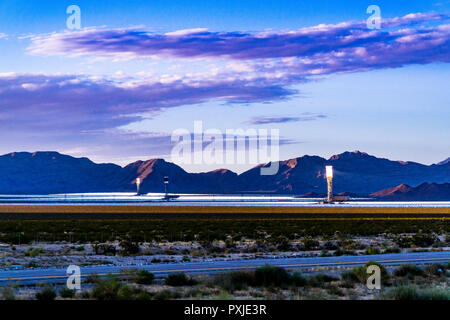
{"type": "Point", "coordinates": [58, 275]}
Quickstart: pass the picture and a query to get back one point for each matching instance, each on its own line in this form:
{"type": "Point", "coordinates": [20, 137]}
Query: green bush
{"type": "Point", "coordinates": [409, 271]}
{"type": "Point", "coordinates": [104, 248]}
{"type": "Point", "coordinates": [144, 295]}
{"type": "Point", "coordinates": [412, 292]}
{"type": "Point", "coordinates": [298, 279]}
{"type": "Point", "coordinates": [362, 275]}
{"type": "Point", "coordinates": [236, 280]}
{"type": "Point", "coordinates": [423, 239]}
{"type": "Point", "coordinates": [336, 291]}
{"type": "Point", "coordinates": [405, 292]}
{"type": "Point", "coordinates": [66, 292]}
{"type": "Point", "coordinates": [372, 251]}
{"type": "Point", "coordinates": [7, 293]}
{"type": "Point", "coordinates": [310, 244]}
{"type": "Point", "coordinates": [435, 269]}
{"type": "Point", "coordinates": [125, 293]}
{"type": "Point", "coordinates": [33, 252]}
{"type": "Point", "coordinates": [267, 276]}
{"type": "Point", "coordinates": [435, 294]}
{"type": "Point", "coordinates": [392, 250]}
{"type": "Point", "coordinates": [350, 277]}
{"type": "Point", "coordinates": [129, 247]}
{"type": "Point", "coordinates": [179, 279]}
{"type": "Point", "coordinates": [144, 277]}
{"type": "Point", "coordinates": [46, 294]}
{"type": "Point", "coordinates": [320, 279]}
{"type": "Point", "coordinates": [106, 289]}
{"type": "Point", "coordinates": [166, 295]}
{"type": "Point", "coordinates": [344, 252]}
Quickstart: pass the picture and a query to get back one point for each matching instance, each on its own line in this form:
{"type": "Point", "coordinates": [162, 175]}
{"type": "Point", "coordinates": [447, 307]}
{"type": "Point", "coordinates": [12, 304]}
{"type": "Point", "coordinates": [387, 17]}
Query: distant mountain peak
{"type": "Point", "coordinates": [146, 163]}
{"type": "Point", "coordinates": [349, 155]}
{"type": "Point", "coordinates": [42, 156]}
{"type": "Point", "coordinates": [33, 154]}
{"type": "Point", "coordinates": [423, 192]}
{"type": "Point", "coordinates": [446, 161]}
{"type": "Point", "coordinates": [222, 171]}
{"type": "Point", "coordinates": [402, 188]}
{"type": "Point", "coordinates": [292, 163]}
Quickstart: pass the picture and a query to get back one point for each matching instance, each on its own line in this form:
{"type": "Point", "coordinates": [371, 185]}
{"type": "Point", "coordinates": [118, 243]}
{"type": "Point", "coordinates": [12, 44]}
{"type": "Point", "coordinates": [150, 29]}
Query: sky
{"type": "Point", "coordinates": [117, 88]}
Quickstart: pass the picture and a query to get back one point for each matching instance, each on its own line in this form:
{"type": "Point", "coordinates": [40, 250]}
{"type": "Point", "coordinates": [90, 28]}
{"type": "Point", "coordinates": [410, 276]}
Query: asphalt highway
{"type": "Point", "coordinates": [58, 275]}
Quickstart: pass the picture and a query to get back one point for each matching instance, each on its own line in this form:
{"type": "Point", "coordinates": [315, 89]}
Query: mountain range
{"type": "Point", "coordinates": [423, 192]}
{"type": "Point", "coordinates": [354, 173]}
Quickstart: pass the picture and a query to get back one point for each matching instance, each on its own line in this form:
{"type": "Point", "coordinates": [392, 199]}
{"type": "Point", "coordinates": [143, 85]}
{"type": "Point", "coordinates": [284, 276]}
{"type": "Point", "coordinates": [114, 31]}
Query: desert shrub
{"type": "Point", "coordinates": [336, 291]}
{"type": "Point", "coordinates": [125, 293]}
{"type": "Point", "coordinates": [310, 244]}
{"type": "Point", "coordinates": [105, 248]}
{"type": "Point", "coordinates": [330, 245]}
{"type": "Point", "coordinates": [129, 247]}
{"type": "Point", "coordinates": [66, 292]}
{"type": "Point", "coordinates": [392, 250]}
{"type": "Point", "coordinates": [46, 294]}
{"type": "Point", "coordinates": [144, 295]}
{"type": "Point", "coordinates": [325, 253]}
{"type": "Point", "coordinates": [282, 243]}
{"type": "Point", "coordinates": [7, 293]}
{"type": "Point", "coordinates": [435, 294]}
{"type": "Point", "coordinates": [267, 276]}
{"type": "Point", "coordinates": [419, 239]}
{"type": "Point", "coordinates": [106, 289]}
{"type": "Point", "coordinates": [179, 279]}
{"type": "Point", "coordinates": [362, 275]}
{"type": "Point", "coordinates": [423, 239]}
{"type": "Point", "coordinates": [166, 295]}
{"type": "Point", "coordinates": [372, 251]}
{"type": "Point", "coordinates": [344, 252]}
{"type": "Point", "coordinates": [144, 277]}
{"type": "Point", "coordinates": [350, 277]}
{"type": "Point", "coordinates": [33, 252]}
{"type": "Point", "coordinates": [435, 269]}
{"type": "Point", "coordinates": [320, 279]}
{"type": "Point", "coordinates": [403, 292]}
{"type": "Point", "coordinates": [235, 280]}
{"type": "Point", "coordinates": [412, 292]}
{"type": "Point", "coordinates": [409, 271]}
{"type": "Point", "coordinates": [298, 279]}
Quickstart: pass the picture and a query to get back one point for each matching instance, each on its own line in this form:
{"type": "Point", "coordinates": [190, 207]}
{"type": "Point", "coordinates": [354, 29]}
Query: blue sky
{"type": "Point", "coordinates": [385, 93]}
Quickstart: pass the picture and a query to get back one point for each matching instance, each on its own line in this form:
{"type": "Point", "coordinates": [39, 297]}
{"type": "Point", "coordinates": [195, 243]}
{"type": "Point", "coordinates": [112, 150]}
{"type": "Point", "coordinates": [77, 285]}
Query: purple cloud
{"type": "Point", "coordinates": [200, 43]}
{"type": "Point", "coordinates": [282, 58]}
{"type": "Point", "coordinates": [270, 120]}
{"type": "Point", "coordinates": [81, 104]}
